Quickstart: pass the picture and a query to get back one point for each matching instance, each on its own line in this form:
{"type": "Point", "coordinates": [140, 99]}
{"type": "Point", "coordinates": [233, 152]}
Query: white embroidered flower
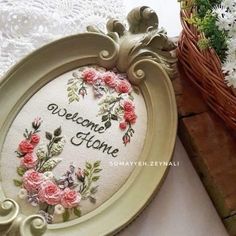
{"type": "Point", "coordinates": [48, 175]}
{"type": "Point", "coordinates": [41, 151]}
{"type": "Point", "coordinates": [57, 148]}
{"type": "Point", "coordinates": [22, 194]}
{"type": "Point", "coordinates": [59, 209]}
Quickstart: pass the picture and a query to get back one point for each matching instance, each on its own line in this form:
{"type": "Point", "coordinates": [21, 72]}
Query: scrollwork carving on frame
{"type": "Point", "coordinates": [143, 40]}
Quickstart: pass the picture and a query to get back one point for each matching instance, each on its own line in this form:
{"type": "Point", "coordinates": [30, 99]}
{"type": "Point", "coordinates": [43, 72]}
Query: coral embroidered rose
{"type": "Point", "coordinates": [49, 193]}
{"type": "Point", "coordinates": [128, 106]}
{"type": "Point", "coordinates": [28, 161]}
{"type": "Point", "coordinates": [123, 125]}
{"type": "Point", "coordinates": [130, 117]}
{"type": "Point", "coordinates": [32, 180]}
{"type": "Point", "coordinates": [110, 79]}
{"type": "Point", "coordinates": [70, 198]}
{"type": "Point", "coordinates": [34, 139]}
{"type": "Point", "coordinates": [89, 75]}
{"type": "Point", "coordinates": [123, 87]}
{"type": "Point", "coordinates": [26, 147]}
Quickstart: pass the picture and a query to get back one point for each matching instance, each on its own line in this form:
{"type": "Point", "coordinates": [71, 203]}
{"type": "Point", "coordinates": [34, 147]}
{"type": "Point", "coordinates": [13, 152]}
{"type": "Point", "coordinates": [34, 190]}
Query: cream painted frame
{"type": "Point", "coordinates": [63, 55]}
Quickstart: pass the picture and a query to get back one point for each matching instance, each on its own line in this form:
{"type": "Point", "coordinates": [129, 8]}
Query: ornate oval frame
{"type": "Point", "coordinates": [142, 63]}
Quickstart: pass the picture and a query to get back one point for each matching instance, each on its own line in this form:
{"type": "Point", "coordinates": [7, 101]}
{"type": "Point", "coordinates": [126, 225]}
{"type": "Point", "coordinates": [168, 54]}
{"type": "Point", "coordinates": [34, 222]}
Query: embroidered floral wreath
{"type": "Point", "coordinates": [117, 103]}
{"type": "Point", "coordinates": [41, 188]}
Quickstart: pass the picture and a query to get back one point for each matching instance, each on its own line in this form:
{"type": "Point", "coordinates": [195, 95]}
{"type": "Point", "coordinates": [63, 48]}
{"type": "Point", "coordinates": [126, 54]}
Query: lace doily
{"type": "Point", "coordinates": [28, 24]}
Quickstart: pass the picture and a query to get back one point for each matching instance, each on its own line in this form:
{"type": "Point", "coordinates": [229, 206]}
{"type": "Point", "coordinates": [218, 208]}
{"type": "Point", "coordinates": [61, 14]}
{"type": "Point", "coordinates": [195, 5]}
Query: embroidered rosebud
{"type": "Point", "coordinates": [126, 139]}
{"type": "Point", "coordinates": [41, 152]}
{"type": "Point", "coordinates": [36, 123]}
{"type": "Point", "coordinates": [123, 125]}
{"type": "Point", "coordinates": [80, 175]}
{"type": "Point", "coordinates": [57, 148]}
{"type": "Point", "coordinates": [59, 209]}
{"type": "Point", "coordinates": [22, 194]}
{"type": "Point", "coordinates": [35, 139]}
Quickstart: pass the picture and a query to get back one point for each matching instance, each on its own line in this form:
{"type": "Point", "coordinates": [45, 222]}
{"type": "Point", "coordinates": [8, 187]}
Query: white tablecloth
{"type": "Point", "coordinates": [182, 206]}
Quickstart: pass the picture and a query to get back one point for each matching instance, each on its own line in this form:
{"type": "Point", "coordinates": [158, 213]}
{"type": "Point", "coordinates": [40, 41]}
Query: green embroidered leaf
{"type": "Point", "coordinates": [96, 164]}
{"type": "Point", "coordinates": [57, 132]}
{"type": "Point", "coordinates": [93, 190]}
{"type": "Point", "coordinates": [131, 97]}
{"type": "Point", "coordinates": [20, 171]}
{"type": "Point", "coordinates": [114, 117]}
{"type": "Point", "coordinates": [50, 164]}
{"type": "Point", "coordinates": [95, 178]}
{"type": "Point", "coordinates": [105, 117]}
{"type": "Point", "coordinates": [48, 135]}
{"type": "Point", "coordinates": [57, 139]}
{"type": "Point", "coordinates": [97, 170]}
{"type": "Point", "coordinates": [108, 124]}
{"type": "Point", "coordinates": [77, 212]}
{"type": "Point", "coordinates": [92, 199]}
{"type": "Point", "coordinates": [88, 166]}
{"type": "Point", "coordinates": [136, 90]}
{"type": "Point", "coordinates": [86, 173]}
{"type": "Point", "coordinates": [43, 206]}
{"type": "Point", "coordinates": [66, 215]}
{"type": "Point", "coordinates": [17, 182]}
{"type": "Point", "coordinates": [50, 209]}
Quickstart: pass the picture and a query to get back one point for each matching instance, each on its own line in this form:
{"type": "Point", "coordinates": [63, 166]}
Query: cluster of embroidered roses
{"type": "Point", "coordinates": [39, 185]}
{"type": "Point", "coordinates": [118, 102]}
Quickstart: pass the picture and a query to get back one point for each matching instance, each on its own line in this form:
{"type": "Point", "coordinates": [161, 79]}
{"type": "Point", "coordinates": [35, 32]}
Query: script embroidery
{"type": "Point", "coordinates": [115, 91]}
{"type": "Point", "coordinates": [40, 187]}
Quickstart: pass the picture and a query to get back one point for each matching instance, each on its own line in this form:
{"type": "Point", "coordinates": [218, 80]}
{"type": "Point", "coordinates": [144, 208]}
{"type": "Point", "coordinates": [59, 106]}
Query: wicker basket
{"type": "Point", "coordinates": [203, 68]}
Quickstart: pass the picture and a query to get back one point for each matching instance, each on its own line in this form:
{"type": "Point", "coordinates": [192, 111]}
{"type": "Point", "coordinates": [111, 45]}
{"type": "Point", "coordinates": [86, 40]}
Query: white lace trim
{"type": "Point", "coordinates": [28, 24]}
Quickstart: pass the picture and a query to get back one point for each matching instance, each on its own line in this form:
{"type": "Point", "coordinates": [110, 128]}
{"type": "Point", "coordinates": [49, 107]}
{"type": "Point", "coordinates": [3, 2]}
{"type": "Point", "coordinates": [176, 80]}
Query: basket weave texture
{"type": "Point", "coordinates": [203, 68]}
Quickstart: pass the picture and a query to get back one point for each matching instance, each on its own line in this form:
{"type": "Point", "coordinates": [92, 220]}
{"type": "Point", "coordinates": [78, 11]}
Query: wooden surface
{"type": "Point", "coordinates": [211, 147]}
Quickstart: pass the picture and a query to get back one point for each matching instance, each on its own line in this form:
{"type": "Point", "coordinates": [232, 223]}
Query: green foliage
{"type": "Point", "coordinates": [205, 21]}
{"type": "Point", "coordinates": [17, 182]}
{"type": "Point", "coordinates": [204, 6]}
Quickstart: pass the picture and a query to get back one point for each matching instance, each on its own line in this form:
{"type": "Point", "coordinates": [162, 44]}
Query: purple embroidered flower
{"type": "Point", "coordinates": [33, 199]}
{"type": "Point", "coordinates": [67, 179]}
{"type": "Point", "coordinates": [99, 88]}
{"type": "Point", "coordinates": [48, 217]}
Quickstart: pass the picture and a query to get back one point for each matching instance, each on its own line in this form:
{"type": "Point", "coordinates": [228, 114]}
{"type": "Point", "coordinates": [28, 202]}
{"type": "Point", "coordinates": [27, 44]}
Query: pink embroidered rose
{"type": "Point", "coordinates": [32, 180]}
{"type": "Point", "coordinates": [89, 75]}
{"type": "Point", "coordinates": [26, 147]}
{"type": "Point", "coordinates": [123, 87]}
{"type": "Point", "coordinates": [130, 117]}
{"type": "Point", "coordinates": [29, 161]}
{"type": "Point", "coordinates": [49, 193]}
{"type": "Point", "coordinates": [70, 198]}
{"type": "Point", "coordinates": [123, 125]}
{"type": "Point", "coordinates": [128, 106]}
{"type": "Point", "coordinates": [34, 139]}
{"type": "Point", "coordinates": [110, 79]}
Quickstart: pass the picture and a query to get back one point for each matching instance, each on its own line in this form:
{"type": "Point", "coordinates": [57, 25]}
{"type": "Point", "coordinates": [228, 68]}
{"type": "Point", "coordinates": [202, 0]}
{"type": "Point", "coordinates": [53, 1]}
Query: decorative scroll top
{"type": "Point", "coordinates": [142, 41]}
